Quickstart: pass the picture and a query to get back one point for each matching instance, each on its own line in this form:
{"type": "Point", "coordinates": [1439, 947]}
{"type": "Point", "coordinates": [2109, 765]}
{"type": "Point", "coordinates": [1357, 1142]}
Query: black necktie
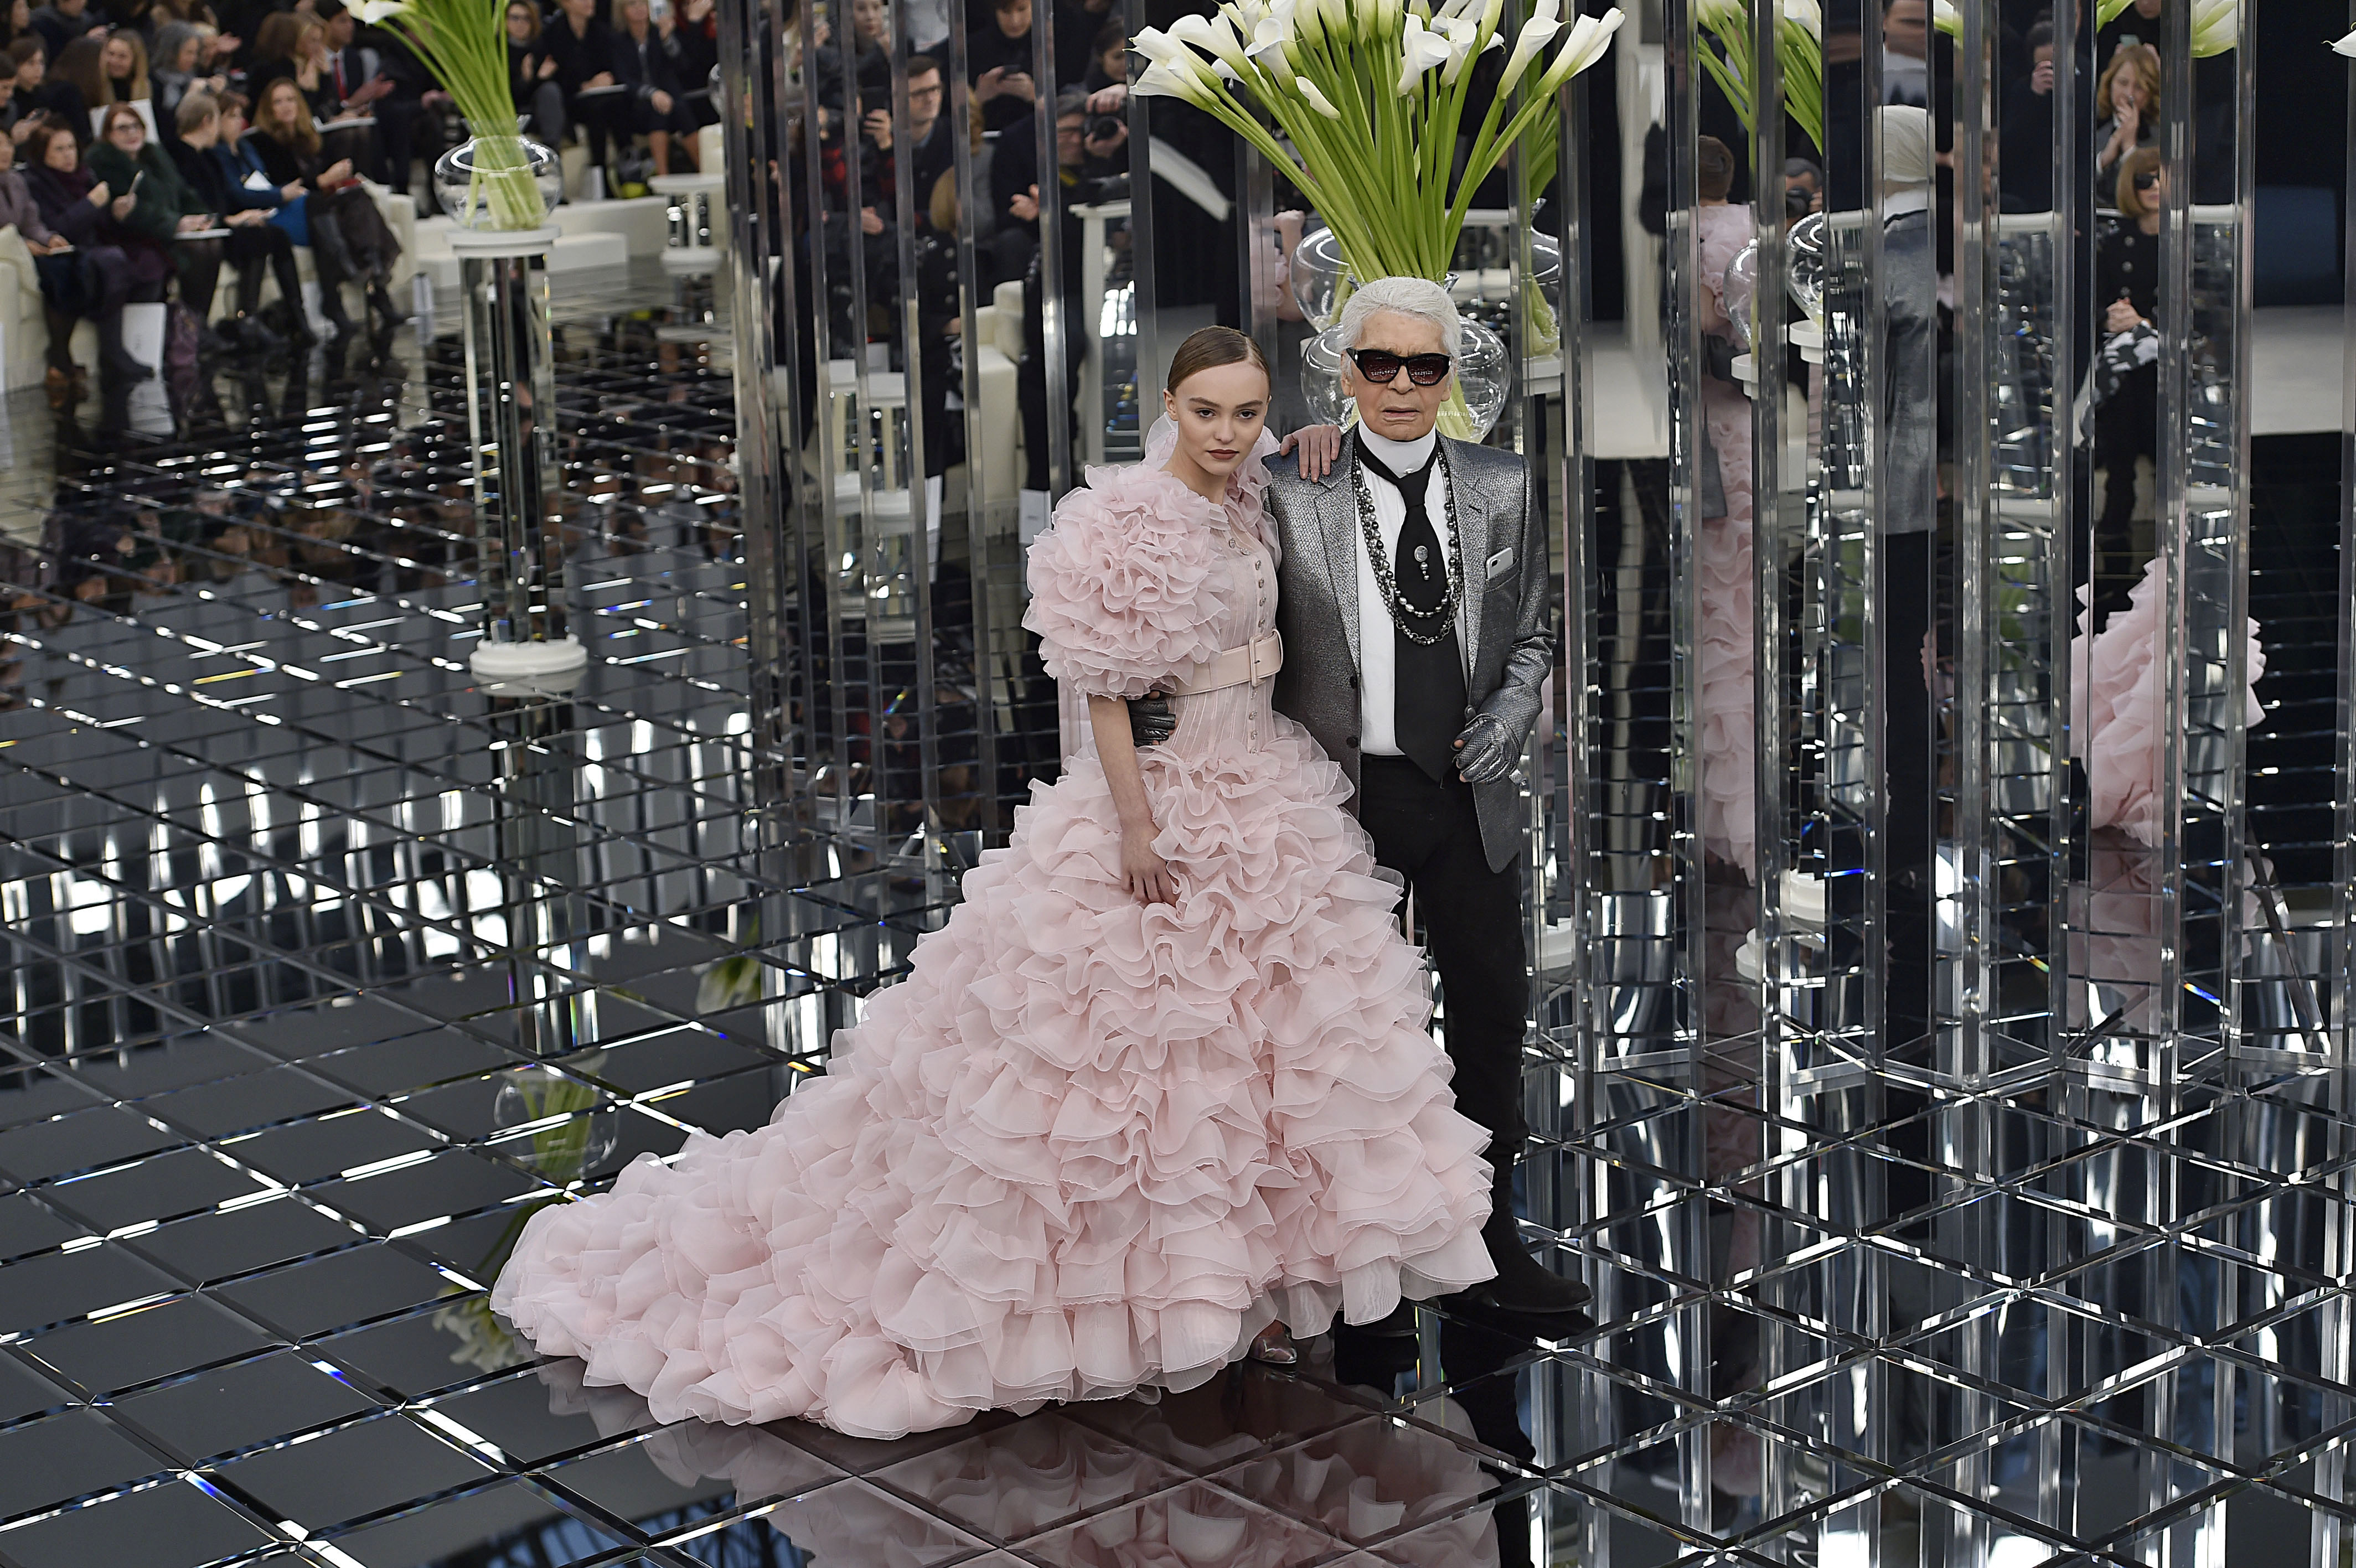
{"type": "Point", "coordinates": [1428, 678]}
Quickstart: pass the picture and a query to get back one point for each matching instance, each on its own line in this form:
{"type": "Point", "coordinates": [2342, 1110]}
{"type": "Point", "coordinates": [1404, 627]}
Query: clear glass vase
{"type": "Point", "coordinates": [503, 181]}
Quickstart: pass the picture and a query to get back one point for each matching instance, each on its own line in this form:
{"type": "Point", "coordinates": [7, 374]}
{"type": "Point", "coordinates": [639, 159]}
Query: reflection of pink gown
{"type": "Point", "coordinates": [1089, 1144]}
{"type": "Point", "coordinates": [1729, 741]}
{"type": "Point", "coordinates": [2116, 698]}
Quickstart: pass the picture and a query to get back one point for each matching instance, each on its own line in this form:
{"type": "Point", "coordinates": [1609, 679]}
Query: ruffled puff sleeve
{"type": "Point", "coordinates": [1120, 590]}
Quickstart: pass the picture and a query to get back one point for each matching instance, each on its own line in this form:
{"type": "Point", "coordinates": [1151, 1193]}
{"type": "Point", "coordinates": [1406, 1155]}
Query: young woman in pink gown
{"type": "Point", "coordinates": [1161, 1082]}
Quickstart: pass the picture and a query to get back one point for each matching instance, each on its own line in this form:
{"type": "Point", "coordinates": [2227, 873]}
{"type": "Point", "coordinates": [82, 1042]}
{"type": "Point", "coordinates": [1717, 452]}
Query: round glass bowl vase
{"type": "Point", "coordinates": [499, 183]}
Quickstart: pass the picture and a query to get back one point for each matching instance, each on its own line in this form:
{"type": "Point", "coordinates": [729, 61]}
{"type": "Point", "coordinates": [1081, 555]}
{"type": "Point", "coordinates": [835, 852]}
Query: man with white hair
{"type": "Point", "coordinates": [1418, 630]}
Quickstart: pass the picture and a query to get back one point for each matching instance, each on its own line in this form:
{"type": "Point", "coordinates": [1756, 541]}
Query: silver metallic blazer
{"type": "Point", "coordinates": [1508, 653]}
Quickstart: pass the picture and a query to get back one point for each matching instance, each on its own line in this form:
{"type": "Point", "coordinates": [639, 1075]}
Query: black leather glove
{"type": "Point", "coordinates": [1485, 750]}
{"type": "Point", "coordinates": [1152, 720]}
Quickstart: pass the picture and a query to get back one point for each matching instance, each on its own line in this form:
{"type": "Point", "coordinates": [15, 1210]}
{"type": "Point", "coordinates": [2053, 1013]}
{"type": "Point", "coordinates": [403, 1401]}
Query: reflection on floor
{"type": "Point", "coordinates": [324, 970]}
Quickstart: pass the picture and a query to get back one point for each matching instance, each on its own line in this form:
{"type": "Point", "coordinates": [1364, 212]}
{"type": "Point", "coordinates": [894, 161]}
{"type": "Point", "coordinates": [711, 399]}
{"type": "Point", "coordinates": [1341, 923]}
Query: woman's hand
{"type": "Point", "coordinates": [2122, 317]}
{"type": "Point", "coordinates": [1145, 874]}
{"type": "Point", "coordinates": [1320, 444]}
{"type": "Point", "coordinates": [123, 205]}
{"type": "Point", "coordinates": [338, 172]}
{"type": "Point", "coordinates": [99, 194]}
{"type": "Point", "coordinates": [547, 69]}
{"type": "Point", "coordinates": [190, 222]}
{"type": "Point", "coordinates": [245, 218]}
{"type": "Point", "coordinates": [603, 79]}
{"type": "Point", "coordinates": [290, 191]}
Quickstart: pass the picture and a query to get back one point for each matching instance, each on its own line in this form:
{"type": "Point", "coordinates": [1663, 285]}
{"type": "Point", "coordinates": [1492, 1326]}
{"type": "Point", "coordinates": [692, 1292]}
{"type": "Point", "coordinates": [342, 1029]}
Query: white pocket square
{"type": "Point", "coordinates": [1501, 564]}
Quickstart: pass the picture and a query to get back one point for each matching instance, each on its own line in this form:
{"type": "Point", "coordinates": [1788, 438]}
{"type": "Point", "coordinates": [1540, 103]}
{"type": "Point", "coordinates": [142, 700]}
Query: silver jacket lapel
{"type": "Point", "coordinates": [1472, 503]}
{"type": "Point", "coordinates": [1337, 519]}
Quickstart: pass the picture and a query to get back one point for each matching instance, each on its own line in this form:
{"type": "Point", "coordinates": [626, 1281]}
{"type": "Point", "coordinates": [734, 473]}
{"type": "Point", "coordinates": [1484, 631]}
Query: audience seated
{"type": "Point", "coordinates": [359, 85]}
{"type": "Point", "coordinates": [109, 266]}
{"type": "Point", "coordinates": [645, 61]}
{"type": "Point", "coordinates": [122, 65]}
{"type": "Point", "coordinates": [60, 22]}
{"type": "Point", "coordinates": [254, 241]}
{"type": "Point", "coordinates": [176, 70]}
{"type": "Point", "coordinates": [581, 48]}
{"type": "Point", "coordinates": [347, 236]}
{"type": "Point", "coordinates": [165, 215]}
{"type": "Point", "coordinates": [79, 67]}
{"type": "Point", "coordinates": [245, 185]}
{"type": "Point", "coordinates": [32, 89]}
{"type": "Point", "coordinates": [531, 75]}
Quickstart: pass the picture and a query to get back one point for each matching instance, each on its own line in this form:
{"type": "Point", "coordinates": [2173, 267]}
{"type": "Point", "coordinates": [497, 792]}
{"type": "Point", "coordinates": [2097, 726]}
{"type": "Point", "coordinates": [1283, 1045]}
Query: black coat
{"type": "Point", "coordinates": [578, 56]}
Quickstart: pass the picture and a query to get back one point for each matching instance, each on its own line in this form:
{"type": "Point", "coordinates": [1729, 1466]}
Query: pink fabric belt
{"type": "Point", "coordinates": [1256, 661]}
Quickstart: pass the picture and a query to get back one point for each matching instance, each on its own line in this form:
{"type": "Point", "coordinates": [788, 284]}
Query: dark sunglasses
{"type": "Point", "coordinates": [1381, 366]}
{"type": "Point", "coordinates": [2146, 182]}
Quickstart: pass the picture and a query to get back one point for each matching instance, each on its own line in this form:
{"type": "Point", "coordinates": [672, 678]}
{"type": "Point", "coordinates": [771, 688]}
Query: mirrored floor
{"type": "Point", "coordinates": [324, 970]}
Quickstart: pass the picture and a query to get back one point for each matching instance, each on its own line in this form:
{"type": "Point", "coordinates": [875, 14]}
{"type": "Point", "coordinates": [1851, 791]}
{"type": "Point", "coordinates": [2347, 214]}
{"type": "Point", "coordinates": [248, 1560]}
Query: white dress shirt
{"type": "Point", "coordinates": [1378, 647]}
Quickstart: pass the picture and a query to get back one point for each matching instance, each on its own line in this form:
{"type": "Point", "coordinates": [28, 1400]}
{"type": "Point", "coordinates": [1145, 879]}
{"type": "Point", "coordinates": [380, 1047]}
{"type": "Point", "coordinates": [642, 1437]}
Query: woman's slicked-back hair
{"type": "Point", "coordinates": [1209, 349]}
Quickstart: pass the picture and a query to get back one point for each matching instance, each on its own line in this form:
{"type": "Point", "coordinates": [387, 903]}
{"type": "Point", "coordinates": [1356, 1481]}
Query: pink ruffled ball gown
{"type": "Point", "coordinates": [1088, 1145]}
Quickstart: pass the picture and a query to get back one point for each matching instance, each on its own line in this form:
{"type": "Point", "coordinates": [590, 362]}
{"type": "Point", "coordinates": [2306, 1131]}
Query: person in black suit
{"type": "Point", "coordinates": [582, 48]}
{"type": "Point", "coordinates": [255, 242]}
{"type": "Point", "coordinates": [646, 63]}
{"type": "Point", "coordinates": [999, 59]}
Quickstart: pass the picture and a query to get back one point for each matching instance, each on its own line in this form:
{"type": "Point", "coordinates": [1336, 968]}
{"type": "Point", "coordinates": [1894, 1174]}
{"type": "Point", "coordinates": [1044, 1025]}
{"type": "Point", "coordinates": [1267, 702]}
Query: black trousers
{"type": "Point", "coordinates": [1473, 918]}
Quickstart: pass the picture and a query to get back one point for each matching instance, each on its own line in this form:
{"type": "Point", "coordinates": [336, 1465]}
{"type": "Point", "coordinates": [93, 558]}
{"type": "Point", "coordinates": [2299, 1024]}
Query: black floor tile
{"type": "Point", "coordinates": [533, 1420]}
{"type": "Point", "coordinates": [176, 1525]}
{"type": "Point", "coordinates": [37, 1292]}
{"type": "Point", "coordinates": [85, 1140]}
{"type": "Point", "coordinates": [161, 1187]}
{"type": "Point", "coordinates": [209, 1247]}
{"type": "Point", "coordinates": [239, 1407]}
{"type": "Point", "coordinates": [25, 1392]}
{"type": "Point", "coordinates": [312, 1150]}
{"type": "Point", "coordinates": [73, 1454]}
{"type": "Point", "coordinates": [452, 1182]}
{"type": "Point", "coordinates": [425, 1353]}
{"type": "Point", "coordinates": [334, 1292]}
{"type": "Point", "coordinates": [27, 1225]}
{"type": "Point", "coordinates": [175, 1336]}
{"type": "Point", "coordinates": [357, 1470]}
{"type": "Point", "coordinates": [507, 1521]}
{"type": "Point", "coordinates": [275, 1094]}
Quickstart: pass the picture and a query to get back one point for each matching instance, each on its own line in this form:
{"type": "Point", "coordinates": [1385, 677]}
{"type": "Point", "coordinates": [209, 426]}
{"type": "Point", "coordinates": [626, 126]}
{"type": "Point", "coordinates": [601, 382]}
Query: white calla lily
{"type": "Point", "coordinates": [1315, 99]}
{"type": "Point", "coordinates": [1589, 38]}
{"type": "Point", "coordinates": [1535, 35]}
{"type": "Point", "coordinates": [1809, 14]}
{"type": "Point", "coordinates": [1159, 47]}
{"type": "Point", "coordinates": [2346, 46]}
{"type": "Point", "coordinates": [1215, 36]}
{"type": "Point", "coordinates": [376, 13]}
{"type": "Point", "coordinates": [1420, 52]}
{"type": "Point", "coordinates": [2216, 26]}
{"type": "Point", "coordinates": [1720, 16]}
{"type": "Point", "coordinates": [1164, 78]}
{"type": "Point", "coordinates": [1947, 19]}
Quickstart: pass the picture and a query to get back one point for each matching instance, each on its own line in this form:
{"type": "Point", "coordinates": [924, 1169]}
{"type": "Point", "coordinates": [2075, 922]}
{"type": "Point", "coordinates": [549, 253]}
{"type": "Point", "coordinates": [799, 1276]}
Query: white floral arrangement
{"type": "Point", "coordinates": [1368, 99]}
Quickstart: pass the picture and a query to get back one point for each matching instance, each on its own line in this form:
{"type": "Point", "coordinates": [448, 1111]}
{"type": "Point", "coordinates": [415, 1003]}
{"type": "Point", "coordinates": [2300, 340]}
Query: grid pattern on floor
{"type": "Point", "coordinates": [322, 972]}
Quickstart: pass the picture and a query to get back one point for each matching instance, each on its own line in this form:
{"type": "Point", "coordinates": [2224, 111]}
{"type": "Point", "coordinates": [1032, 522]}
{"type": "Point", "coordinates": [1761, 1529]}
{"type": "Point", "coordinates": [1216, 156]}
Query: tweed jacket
{"type": "Point", "coordinates": [1508, 630]}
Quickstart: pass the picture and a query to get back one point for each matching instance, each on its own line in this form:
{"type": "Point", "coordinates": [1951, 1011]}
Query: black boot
{"type": "Point", "coordinates": [1525, 1298]}
{"type": "Point", "coordinates": [335, 263]}
{"type": "Point", "coordinates": [297, 327]}
{"type": "Point", "coordinates": [115, 363]}
{"type": "Point", "coordinates": [64, 376]}
{"type": "Point", "coordinates": [389, 314]}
